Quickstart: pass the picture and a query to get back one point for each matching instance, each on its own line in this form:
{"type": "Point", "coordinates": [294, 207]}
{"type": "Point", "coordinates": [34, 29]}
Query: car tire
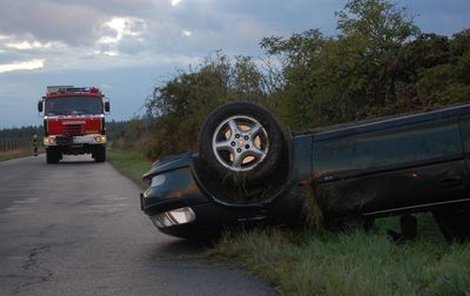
{"type": "Point", "coordinates": [454, 223]}
{"type": "Point", "coordinates": [242, 145]}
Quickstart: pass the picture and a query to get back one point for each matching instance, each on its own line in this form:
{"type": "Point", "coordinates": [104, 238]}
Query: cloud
{"type": "Point", "coordinates": [138, 30]}
{"type": "Point", "coordinates": [110, 53]}
{"type": "Point", "coordinates": [49, 20]}
{"type": "Point", "coordinates": [122, 27]}
{"type": "Point", "coordinates": [13, 43]}
{"type": "Point", "coordinates": [117, 31]}
{"type": "Point", "coordinates": [26, 65]}
{"type": "Point", "coordinates": [24, 45]}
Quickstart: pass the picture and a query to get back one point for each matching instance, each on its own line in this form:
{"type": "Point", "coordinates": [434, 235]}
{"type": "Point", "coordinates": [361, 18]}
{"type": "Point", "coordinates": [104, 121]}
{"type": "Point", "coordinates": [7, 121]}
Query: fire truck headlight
{"type": "Point", "coordinates": [49, 141]}
{"type": "Point", "coordinates": [100, 139]}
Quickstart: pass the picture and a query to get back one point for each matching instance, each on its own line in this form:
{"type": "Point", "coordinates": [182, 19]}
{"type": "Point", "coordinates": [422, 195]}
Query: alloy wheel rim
{"type": "Point", "coordinates": [240, 143]}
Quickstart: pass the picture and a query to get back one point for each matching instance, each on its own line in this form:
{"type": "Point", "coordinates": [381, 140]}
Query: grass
{"type": "Point", "coordinates": [6, 155]}
{"type": "Point", "coordinates": [315, 262]}
{"type": "Point", "coordinates": [351, 263]}
{"type": "Point", "coordinates": [130, 163]}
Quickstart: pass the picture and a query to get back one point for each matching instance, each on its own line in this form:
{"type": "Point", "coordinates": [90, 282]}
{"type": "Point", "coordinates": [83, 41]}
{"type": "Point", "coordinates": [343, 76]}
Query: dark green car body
{"type": "Point", "coordinates": [402, 164]}
{"type": "Point", "coordinates": [388, 166]}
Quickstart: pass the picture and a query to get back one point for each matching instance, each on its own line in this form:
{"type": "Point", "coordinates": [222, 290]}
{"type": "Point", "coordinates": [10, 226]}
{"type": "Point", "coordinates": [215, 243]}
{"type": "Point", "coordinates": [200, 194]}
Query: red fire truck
{"type": "Point", "coordinates": [74, 122]}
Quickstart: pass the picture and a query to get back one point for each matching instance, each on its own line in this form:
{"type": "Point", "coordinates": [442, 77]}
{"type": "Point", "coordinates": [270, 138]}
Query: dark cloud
{"type": "Point", "coordinates": [49, 21]}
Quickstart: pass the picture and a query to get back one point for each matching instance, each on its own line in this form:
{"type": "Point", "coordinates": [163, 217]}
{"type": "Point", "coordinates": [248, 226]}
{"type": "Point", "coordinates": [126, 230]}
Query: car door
{"type": "Point", "coordinates": [391, 168]}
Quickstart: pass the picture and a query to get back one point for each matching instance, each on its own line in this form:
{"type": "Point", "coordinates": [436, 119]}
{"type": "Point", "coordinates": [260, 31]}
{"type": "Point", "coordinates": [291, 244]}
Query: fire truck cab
{"type": "Point", "coordinates": [74, 122]}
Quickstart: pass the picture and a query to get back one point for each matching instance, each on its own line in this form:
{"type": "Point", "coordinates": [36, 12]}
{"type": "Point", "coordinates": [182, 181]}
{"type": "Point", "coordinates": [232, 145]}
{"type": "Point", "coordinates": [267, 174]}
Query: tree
{"type": "Point", "coordinates": [378, 64]}
{"type": "Point", "coordinates": [347, 77]}
{"type": "Point", "coordinates": [299, 55]}
{"type": "Point", "coordinates": [372, 33]}
{"type": "Point", "coordinates": [447, 83]}
{"type": "Point", "coordinates": [178, 107]}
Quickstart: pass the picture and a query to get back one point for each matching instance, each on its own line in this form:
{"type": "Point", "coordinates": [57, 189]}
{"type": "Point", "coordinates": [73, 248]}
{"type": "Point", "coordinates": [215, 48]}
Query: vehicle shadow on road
{"type": "Point", "coordinates": [180, 248]}
{"type": "Point", "coordinates": [75, 162]}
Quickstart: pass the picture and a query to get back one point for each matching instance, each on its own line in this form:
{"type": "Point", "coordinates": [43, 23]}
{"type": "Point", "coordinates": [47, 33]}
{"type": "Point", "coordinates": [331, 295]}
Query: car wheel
{"type": "Point", "coordinates": [454, 223]}
{"type": "Point", "coordinates": [243, 145]}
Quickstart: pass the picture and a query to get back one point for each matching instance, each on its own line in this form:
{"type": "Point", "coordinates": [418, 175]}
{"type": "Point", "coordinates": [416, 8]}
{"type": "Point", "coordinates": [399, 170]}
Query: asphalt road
{"type": "Point", "coordinates": [75, 228]}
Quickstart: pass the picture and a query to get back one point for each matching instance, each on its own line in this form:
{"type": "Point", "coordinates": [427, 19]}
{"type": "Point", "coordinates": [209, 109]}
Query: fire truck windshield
{"type": "Point", "coordinates": [73, 106]}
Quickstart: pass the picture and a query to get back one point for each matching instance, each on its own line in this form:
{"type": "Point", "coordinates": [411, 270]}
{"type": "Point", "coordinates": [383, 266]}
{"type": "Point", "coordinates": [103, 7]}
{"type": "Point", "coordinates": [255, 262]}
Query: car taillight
{"type": "Point", "coordinates": [174, 217]}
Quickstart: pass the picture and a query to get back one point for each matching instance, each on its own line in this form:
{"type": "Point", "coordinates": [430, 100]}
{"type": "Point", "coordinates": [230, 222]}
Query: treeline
{"type": "Point", "coordinates": [379, 63]}
{"type": "Point", "coordinates": [19, 138]}
{"type": "Point", "coordinates": [21, 132]}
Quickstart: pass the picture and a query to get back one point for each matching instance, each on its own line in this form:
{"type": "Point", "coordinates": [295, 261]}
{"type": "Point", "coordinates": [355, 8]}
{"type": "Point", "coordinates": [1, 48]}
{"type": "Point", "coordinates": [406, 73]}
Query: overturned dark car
{"type": "Point", "coordinates": [249, 172]}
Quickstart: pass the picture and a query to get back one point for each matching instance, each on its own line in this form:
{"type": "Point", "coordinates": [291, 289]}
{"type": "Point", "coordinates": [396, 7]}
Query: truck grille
{"type": "Point", "coordinates": [74, 129]}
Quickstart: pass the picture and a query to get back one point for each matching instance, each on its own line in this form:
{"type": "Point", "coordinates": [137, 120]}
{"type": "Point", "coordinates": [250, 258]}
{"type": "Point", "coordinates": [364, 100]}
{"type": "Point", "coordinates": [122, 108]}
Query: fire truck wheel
{"type": "Point", "coordinates": [99, 154]}
{"type": "Point", "coordinates": [53, 155]}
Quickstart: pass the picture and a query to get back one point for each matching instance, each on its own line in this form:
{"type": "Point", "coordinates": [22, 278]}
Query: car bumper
{"type": "Point", "coordinates": [91, 139]}
{"type": "Point", "coordinates": [179, 205]}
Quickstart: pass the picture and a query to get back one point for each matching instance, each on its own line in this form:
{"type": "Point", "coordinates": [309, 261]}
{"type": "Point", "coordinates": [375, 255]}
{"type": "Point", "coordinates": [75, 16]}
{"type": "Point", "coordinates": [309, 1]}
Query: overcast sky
{"type": "Point", "coordinates": [126, 47]}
